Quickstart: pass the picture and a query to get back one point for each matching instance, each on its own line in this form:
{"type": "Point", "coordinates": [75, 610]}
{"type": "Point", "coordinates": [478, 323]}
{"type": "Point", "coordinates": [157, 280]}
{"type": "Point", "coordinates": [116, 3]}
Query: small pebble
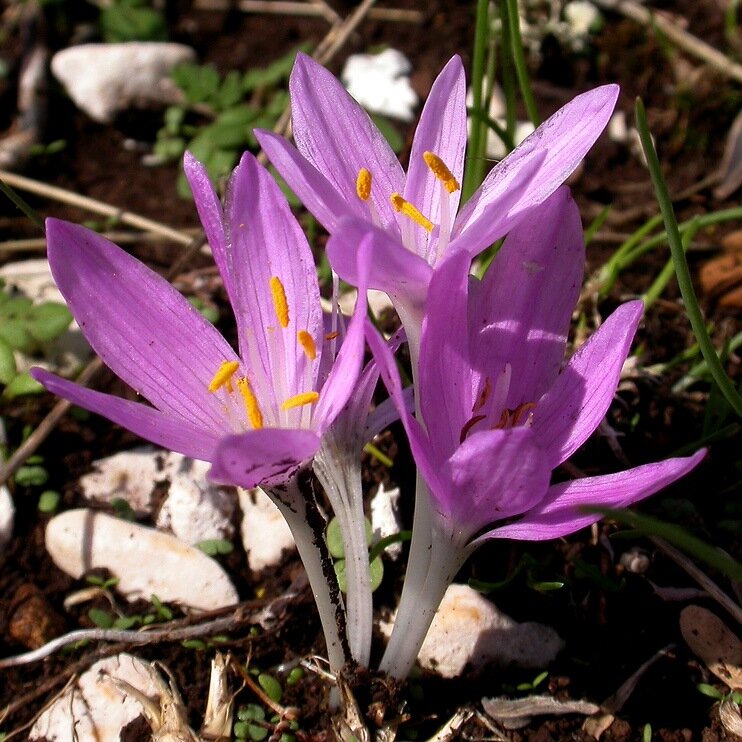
{"type": "Point", "coordinates": [265, 534]}
{"type": "Point", "coordinates": [381, 83]}
{"type": "Point", "coordinates": [146, 561]}
{"type": "Point", "coordinates": [93, 708]}
{"type": "Point", "coordinates": [469, 631]}
{"type": "Point", "coordinates": [104, 79]}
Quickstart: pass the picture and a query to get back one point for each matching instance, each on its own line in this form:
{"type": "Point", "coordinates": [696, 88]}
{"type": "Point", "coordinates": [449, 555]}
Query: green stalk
{"type": "Point", "coordinates": [660, 283]}
{"type": "Point", "coordinates": [22, 204]}
{"type": "Point", "coordinates": [508, 72]}
{"type": "Point", "coordinates": [685, 283]}
{"type": "Point", "coordinates": [519, 57]}
{"type": "Point", "coordinates": [478, 137]}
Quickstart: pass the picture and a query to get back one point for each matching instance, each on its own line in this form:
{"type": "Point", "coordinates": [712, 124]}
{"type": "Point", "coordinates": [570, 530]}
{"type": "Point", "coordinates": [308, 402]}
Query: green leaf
{"type": "Point", "coordinates": [8, 368]}
{"type": "Point", "coordinates": [215, 546]}
{"type": "Point", "coordinates": [256, 733]}
{"type": "Point", "coordinates": [295, 675]}
{"type": "Point", "coordinates": [377, 573]}
{"type": "Point", "coordinates": [199, 645]}
{"type": "Point", "coordinates": [271, 686]}
{"type": "Point", "coordinates": [102, 619]}
{"type": "Point", "coordinates": [390, 132]}
{"type": "Point", "coordinates": [231, 127]}
{"type": "Point", "coordinates": [122, 22]}
{"type": "Point", "coordinates": [334, 538]}
{"type": "Point", "coordinates": [230, 92]}
{"type": "Point", "coordinates": [271, 75]}
{"type": "Point", "coordinates": [48, 501]}
{"type": "Point", "coordinates": [122, 509]}
{"type": "Point", "coordinates": [251, 712]}
{"type": "Point", "coordinates": [710, 691]}
{"type": "Point", "coordinates": [31, 476]}
{"type": "Point", "coordinates": [124, 623]}
{"type": "Point", "coordinates": [48, 321]}
{"type": "Point", "coordinates": [15, 333]}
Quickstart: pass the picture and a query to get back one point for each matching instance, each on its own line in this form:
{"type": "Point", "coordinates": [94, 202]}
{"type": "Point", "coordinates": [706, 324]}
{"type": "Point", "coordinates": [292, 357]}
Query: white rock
{"type": "Point", "coordinates": [381, 83]}
{"type": "Point", "coordinates": [196, 509]}
{"type": "Point", "coordinates": [145, 561]}
{"type": "Point", "coordinates": [582, 17]}
{"type": "Point", "coordinates": [385, 518]}
{"type": "Point", "coordinates": [129, 475]}
{"type": "Point", "coordinates": [265, 534]}
{"type": "Point", "coordinates": [103, 79]}
{"type": "Point", "coordinates": [7, 517]}
{"type": "Point", "coordinates": [617, 129]}
{"type": "Point", "coordinates": [94, 709]}
{"type": "Point", "coordinates": [469, 630]}
{"type": "Point", "coordinates": [378, 302]}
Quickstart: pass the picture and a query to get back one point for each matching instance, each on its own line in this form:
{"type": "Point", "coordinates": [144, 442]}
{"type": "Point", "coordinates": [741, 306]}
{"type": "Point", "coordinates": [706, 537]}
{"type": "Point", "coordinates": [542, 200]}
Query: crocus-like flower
{"type": "Point", "coordinates": [284, 388]}
{"type": "Point", "coordinates": [347, 175]}
{"type": "Point", "coordinates": [497, 415]}
{"type": "Point", "coordinates": [276, 397]}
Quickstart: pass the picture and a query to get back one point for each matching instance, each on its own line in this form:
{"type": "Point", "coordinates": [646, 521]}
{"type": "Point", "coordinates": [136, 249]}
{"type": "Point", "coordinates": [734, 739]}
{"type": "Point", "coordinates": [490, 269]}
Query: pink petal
{"type": "Point", "coordinates": [267, 456]}
{"type": "Point", "coordinates": [140, 326]}
{"type": "Point", "coordinates": [312, 188]}
{"type": "Point", "coordinates": [266, 241]}
{"type": "Point", "coordinates": [564, 139]}
{"type": "Point", "coordinates": [442, 131]}
{"type": "Point", "coordinates": [494, 475]}
{"type": "Point", "coordinates": [558, 514]}
{"type": "Point", "coordinates": [579, 398]}
{"type": "Point", "coordinates": [150, 424]}
{"type": "Point", "coordinates": [337, 136]}
{"type": "Point", "coordinates": [521, 311]}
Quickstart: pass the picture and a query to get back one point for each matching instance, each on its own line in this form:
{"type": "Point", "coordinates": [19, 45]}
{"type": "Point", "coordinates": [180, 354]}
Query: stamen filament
{"type": "Point", "coordinates": [411, 212]}
{"type": "Point", "coordinates": [363, 184]}
{"type": "Point", "coordinates": [307, 343]}
{"type": "Point", "coordinates": [252, 408]}
{"type": "Point", "coordinates": [279, 301]}
{"type": "Point", "coordinates": [441, 171]}
{"type": "Point", "coordinates": [223, 376]}
{"type": "Point", "coordinates": [298, 400]}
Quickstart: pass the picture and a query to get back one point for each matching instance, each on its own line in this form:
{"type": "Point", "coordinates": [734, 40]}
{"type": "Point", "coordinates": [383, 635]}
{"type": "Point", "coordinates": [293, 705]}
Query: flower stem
{"type": "Point", "coordinates": [419, 602]}
{"type": "Point", "coordinates": [299, 508]}
{"type": "Point", "coordinates": [339, 472]}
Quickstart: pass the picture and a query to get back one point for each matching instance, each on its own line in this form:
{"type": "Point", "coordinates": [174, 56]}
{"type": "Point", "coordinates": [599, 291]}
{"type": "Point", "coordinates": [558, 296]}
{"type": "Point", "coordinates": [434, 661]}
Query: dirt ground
{"type": "Point", "coordinates": [611, 619]}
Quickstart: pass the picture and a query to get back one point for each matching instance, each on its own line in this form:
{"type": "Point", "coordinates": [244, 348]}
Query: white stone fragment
{"type": "Point", "coordinates": [196, 509]}
{"type": "Point", "coordinates": [146, 561]}
{"type": "Point", "coordinates": [7, 517]}
{"type": "Point", "coordinates": [385, 518]}
{"type": "Point", "coordinates": [129, 475]}
{"type": "Point", "coordinates": [617, 129]}
{"type": "Point", "coordinates": [381, 83]}
{"type": "Point", "coordinates": [103, 79]}
{"type": "Point", "coordinates": [582, 17]}
{"type": "Point", "coordinates": [378, 302]}
{"type": "Point", "coordinates": [93, 708]}
{"type": "Point", "coordinates": [469, 631]}
{"type": "Point", "coordinates": [265, 534]}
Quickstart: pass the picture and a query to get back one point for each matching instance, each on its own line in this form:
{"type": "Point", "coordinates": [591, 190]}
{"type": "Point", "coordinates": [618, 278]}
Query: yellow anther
{"type": "Point", "coordinates": [300, 399]}
{"type": "Point", "coordinates": [279, 301]}
{"type": "Point", "coordinates": [406, 208]}
{"type": "Point", "coordinates": [223, 377]}
{"type": "Point", "coordinates": [441, 171]}
{"type": "Point", "coordinates": [307, 343]}
{"type": "Point", "coordinates": [363, 184]}
{"type": "Point", "coordinates": [254, 415]}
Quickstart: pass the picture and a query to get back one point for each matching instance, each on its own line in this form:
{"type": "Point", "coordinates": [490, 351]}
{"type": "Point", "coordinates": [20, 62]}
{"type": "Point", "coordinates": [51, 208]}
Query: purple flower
{"type": "Point", "coordinates": [279, 393]}
{"type": "Point", "coordinates": [496, 413]}
{"type": "Point", "coordinates": [347, 175]}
